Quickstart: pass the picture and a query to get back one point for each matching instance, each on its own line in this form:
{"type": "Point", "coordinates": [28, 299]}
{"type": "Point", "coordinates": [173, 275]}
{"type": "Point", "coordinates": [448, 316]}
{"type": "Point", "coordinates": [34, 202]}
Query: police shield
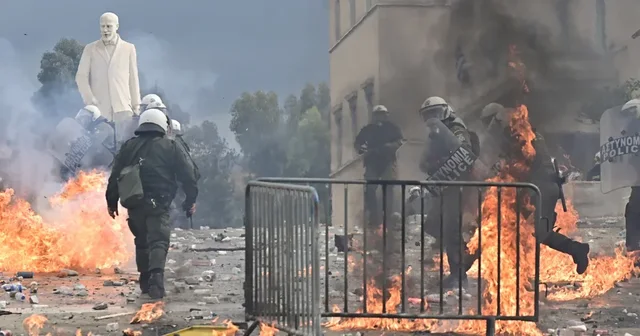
{"type": "Point", "coordinates": [446, 157]}
{"type": "Point", "coordinates": [102, 150]}
{"type": "Point", "coordinates": [619, 150]}
{"type": "Point", "coordinates": [69, 143]}
{"type": "Point", "coordinates": [493, 144]}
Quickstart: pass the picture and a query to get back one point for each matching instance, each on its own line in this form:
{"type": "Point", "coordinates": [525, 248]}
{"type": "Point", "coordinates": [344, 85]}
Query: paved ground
{"type": "Point", "coordinates": [68, 302]}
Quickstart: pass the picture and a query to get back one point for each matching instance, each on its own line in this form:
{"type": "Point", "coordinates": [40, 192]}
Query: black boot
{"type": "Point", "coordinates": [580, 255]}
{"type": "Point", "coordinates": [578, 251]}
{"type": "Point", "coordinates": [143, 280]}
{"type": "Point", "coordinates": [156, 285]}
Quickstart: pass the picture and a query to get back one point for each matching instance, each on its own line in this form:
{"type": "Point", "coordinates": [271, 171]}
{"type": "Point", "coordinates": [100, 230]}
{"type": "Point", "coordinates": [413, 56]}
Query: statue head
{"type": "Point", "coordinates": [109, 25]}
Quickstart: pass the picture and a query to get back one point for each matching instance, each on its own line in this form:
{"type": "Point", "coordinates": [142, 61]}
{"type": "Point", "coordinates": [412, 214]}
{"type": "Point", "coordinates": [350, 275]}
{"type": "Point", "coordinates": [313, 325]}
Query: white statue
{"type": "Point", "coordinates": [108, 75]}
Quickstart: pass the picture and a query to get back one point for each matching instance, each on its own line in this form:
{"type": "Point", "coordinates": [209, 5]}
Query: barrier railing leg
{"type": "Point", "coordinates": [251, 328]}
{"type": "Point", "coordinates": [491, 327]}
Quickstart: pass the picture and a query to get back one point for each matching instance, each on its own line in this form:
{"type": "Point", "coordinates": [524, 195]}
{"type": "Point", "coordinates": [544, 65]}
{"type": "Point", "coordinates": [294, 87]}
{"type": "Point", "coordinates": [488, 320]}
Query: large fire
{"type": "Point", "coordinates": [602, 274]}
{"type": "Point", "coordinates": [74, 232]}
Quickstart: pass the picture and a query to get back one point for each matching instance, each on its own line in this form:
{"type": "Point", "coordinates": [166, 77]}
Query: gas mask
{"type": "Point", "coordinates": [380, 117]}
{"type": "Point", "coordinates": [440, 112]}
{"type": "Point", "coordinates": [109, 27]}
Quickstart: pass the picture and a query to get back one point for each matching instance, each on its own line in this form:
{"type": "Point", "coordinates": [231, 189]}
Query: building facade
{"type": "Point", "coordinates": [399, 52]}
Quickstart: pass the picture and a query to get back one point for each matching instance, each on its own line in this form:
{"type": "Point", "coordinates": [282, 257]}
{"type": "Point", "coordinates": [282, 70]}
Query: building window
{"type": "Point", "coordinates": [337, 19]}
{"type": "Point", "coordinates": [368, 94]}
{"type": "Point", "coordinates": [601, 24]}
{"type": "Point", "coordinates": [369, 4]}
{"type": "Point", "coordinates": [352, 12]}
{"type": "Point", "coordinates": [339, 130]}
{"type": "Point", "coordinates": [353, 108]}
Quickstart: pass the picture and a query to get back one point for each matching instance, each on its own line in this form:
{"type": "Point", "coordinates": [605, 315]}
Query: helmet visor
{"type": "Point", "coordinates": [434, 112]}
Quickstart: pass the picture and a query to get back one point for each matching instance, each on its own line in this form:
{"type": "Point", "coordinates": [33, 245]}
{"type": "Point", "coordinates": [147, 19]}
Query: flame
{"type": "Point", "coordinates": [34, 323]}
{"type": "Point", "coordinates": [48, 243]}
{"type": "Point", "coordinates": [374, 305]}
{"type": "Point", "coordinates": [149, 313]}
{"type": "Point", "coordinates": [230, 331]}
{"type": "Point", "coordinates": [268, 330]}
{"type": "Point", "coordinates": [131, 332]}
{"type": "Point", "coordinates": [601, 275]}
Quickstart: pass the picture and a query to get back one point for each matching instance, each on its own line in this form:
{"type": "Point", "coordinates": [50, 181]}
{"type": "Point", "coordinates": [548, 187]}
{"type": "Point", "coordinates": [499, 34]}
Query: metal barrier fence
{"type": "Point", "coordinates": [282, 259]}
{"type": "Point", "coordinates": [376, 248]}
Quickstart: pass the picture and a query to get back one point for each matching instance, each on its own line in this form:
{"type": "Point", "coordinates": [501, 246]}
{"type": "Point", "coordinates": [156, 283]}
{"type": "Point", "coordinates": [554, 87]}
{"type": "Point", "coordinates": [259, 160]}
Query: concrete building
{"type": "Point", "coordinates": [398, 52]}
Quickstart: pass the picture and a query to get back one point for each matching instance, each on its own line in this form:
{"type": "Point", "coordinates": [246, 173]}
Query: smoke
{"type": "Point", "coordinates": [180, 83]}
{"type": "Point", "coordinates": [565, 67]}
{"type": "Point", "coordinates": [25, 167]}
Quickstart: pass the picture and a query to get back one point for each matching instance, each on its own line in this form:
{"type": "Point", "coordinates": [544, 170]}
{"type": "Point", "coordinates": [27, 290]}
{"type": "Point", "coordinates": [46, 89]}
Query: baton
{"type": "Point", "coordinates": [559, 177]}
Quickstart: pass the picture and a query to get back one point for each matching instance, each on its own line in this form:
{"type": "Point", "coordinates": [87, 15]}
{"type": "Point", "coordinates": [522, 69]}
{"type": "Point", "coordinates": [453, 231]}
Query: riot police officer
{"type": "Point", "coordinates": [164, 164]}
{"type": "Point", "coordinates": [454, 246]}
{"type": "Point", "coordinates": [378, 142]}
{"type": "Point", "coordinates": [543, 174]}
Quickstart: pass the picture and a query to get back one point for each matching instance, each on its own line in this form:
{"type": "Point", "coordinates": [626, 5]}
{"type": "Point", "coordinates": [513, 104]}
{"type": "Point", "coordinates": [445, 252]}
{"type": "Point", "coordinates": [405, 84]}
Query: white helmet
{"type": "Point", "coordinates": [380, 108]}
{"type": "Point", "coordinates": [632, 107]}
{"type": "Point", "coordinates": [435, 107]}
{"type": "Point", "coordinates": [150, 98]}
{"type": "Point", "coordinates": [158, 104]}
{"type": "Point", "coordinates": [493, 111]}
{"type": "Point", "coordinates": [87, 115]}
{"type": "Point", "coordinates": [175, 126]}
{"type": "Point", "coordinates": [151, 119]}
{"type": "Point", "coordinates": [597, 157]}
{"type": "Point", "coordinates": [89, 110]}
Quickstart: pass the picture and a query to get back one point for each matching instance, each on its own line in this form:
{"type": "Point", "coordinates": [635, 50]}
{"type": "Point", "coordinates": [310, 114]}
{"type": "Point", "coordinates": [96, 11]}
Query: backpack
{"type": "Point", "coordinates": [129, 183]}
{"type": "Point", "coordinates": [475, 142]}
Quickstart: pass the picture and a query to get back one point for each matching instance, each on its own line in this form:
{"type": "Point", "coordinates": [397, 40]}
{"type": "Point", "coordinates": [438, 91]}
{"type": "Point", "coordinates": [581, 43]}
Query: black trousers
{"type": "Point", "coordinates": [632, 220]}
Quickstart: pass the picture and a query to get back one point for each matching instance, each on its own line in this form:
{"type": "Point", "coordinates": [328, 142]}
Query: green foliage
{"type": "Point", "coordinates": [257, 124]}
{"type": "Point", "coordinates": [611, 97]}
{"type": "Point", "coordinates": [60, 65]}
{"type": "Point", "coordinates": [216, 161]}
{"type": "Point", "coordinates": [58, 96]}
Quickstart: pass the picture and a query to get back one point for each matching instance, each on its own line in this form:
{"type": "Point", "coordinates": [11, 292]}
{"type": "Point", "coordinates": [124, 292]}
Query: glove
{"type": "Point", "coordinates": [113, 212]}
{"type": "Point", "coordinates": [189, 209]}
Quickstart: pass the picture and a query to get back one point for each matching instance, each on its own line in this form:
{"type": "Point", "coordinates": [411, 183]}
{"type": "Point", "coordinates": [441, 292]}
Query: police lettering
{"type": "Point", "coordinates": [77, 151]}
{"type": "Point", "coordinates": [620, 146]}
{"type": "Point", "coordinates": [455, 166]}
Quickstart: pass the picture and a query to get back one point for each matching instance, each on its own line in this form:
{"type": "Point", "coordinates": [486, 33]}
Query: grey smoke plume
{"type": "Point", "coordinates": [564, 68]}
{"type": "Point", "coordinates": [190, 89]}
{"type": "Point", "coordinates": [30, 169]}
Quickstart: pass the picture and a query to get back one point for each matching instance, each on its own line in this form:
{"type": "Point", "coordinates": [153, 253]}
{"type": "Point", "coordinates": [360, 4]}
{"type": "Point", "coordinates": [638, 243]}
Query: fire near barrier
{"type": "Point", "coordinates": [387, 274]}
{"type": "Point", "coordinates": [282, 284]}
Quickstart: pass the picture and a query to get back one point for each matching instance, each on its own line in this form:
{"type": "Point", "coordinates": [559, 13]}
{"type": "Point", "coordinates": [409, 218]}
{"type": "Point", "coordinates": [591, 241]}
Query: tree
{"type": "Point", "coordinates": [216, 162]}
{"type": "Point", "coordinates": [257, 124]}
{"type": "Point", "coordinates": [58, 96]}
{"type": "Point", "coordinates": [610, 97]}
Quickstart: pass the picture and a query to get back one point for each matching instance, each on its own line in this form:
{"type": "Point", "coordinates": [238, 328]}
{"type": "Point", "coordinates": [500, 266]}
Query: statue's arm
{"type": "Point", "coordinates": [134, 80]}
{"type": "Point", "coordinates": [82, 77]}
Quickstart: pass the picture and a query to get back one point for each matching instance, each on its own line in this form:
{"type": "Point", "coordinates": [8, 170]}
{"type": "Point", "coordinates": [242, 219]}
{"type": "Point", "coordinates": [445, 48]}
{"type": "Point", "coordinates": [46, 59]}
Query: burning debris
{"type": "Point", "coordinates": [33, 324]}
{"type": "Point", "coordinates": [268, 330]}
{"type": "Point", "coordinates": [49, 242]}
{"type": "Point", "coordinates": [148, 313]}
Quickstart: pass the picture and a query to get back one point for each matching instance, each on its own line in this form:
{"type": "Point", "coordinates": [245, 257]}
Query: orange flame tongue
{"type": "Point", "coordinates": [76, 232]}
{"type": "Point", "coordinates": [34, 323]}
{"type": "Point", "coordinates": [149, 313]}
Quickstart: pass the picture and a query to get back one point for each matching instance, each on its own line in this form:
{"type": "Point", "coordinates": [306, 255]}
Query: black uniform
{"type": "Point", "coordinates": [165, 163]}
{"type": "Point", "coordinates": [454, 245]}
{"type": "Point", "coordinates": [378, 142]}
{"type": "Point", "coordinates": [542, 173]}
{"type": "Point", "coordinates": [632, 220]}
{"type": "Point", "coordinates": [177, 217]}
